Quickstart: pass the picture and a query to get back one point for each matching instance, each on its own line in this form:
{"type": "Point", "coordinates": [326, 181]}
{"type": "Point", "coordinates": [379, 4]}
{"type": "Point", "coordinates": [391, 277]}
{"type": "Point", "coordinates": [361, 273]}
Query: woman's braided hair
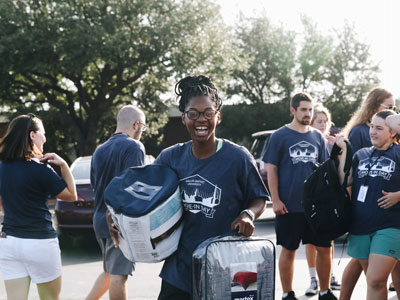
{"type": "Point", "coordinates": [193, 86]}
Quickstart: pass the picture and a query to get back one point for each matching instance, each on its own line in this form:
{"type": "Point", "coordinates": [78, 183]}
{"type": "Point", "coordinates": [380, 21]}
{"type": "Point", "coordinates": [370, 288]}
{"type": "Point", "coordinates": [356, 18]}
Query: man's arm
{"type": "Point", "coordinates": [273, 183]}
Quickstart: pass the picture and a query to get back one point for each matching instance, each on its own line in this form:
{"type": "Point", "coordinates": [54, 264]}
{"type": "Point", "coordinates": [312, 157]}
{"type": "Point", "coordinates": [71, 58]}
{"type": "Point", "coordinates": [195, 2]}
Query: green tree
{"type": "Point", "coordinates": [314, 56]}
{"type": "Point", "coordinates": [351, 74]}
{"type": "Point", "coordinates": [268, 52]}
{"type": "Point", "coordinates": [239, 121]}
{"type": "Point", "coordinates": [334, 68]}
{"type": "Point", "coordinates": [84, 59]}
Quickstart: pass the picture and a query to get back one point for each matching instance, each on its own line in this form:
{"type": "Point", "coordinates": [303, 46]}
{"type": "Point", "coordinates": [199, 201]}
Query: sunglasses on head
{"type": "Point", "coordinates": [391, 107]}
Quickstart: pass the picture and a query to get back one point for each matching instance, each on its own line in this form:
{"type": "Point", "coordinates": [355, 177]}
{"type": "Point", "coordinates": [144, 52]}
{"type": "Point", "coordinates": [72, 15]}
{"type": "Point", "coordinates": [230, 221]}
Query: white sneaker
{"type": "Point", "coordinates": [335, 285]}
{"type": "Point", "coordinates": [313, 289]}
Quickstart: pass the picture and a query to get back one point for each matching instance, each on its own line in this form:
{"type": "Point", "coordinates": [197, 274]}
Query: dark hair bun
{"type": "Point", "coordinates": [192, 86]}
{"type": "Point", "coordinates": [192, 82]}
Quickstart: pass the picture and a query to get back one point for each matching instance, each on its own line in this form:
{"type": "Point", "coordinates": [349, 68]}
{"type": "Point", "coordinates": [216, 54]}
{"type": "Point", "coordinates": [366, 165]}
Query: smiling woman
{"type": "Point", "coordinates": [220, 185]}
{"type": "Point", "coordinates": [375, 230]}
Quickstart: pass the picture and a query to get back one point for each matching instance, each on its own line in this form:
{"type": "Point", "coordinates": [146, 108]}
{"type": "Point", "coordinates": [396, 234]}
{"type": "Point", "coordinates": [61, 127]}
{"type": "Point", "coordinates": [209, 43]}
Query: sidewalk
{"type": "Point", "coordinates": [81, 267]}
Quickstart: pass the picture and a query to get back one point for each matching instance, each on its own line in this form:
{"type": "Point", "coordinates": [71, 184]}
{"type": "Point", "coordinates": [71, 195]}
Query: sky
{"type": "Point", "coordinates": [376, 22]}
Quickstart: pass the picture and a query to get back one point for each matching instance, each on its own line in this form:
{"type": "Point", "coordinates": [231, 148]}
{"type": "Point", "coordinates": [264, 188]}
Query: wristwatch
{"type": "Point", "coordinates": [250, 213]}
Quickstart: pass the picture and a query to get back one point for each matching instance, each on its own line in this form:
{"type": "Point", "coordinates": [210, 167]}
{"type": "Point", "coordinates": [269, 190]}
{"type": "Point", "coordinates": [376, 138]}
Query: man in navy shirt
{"type": "Point", "coordinates": [291, 155]}
{"type": "Point", "coordinates": [121, 151]}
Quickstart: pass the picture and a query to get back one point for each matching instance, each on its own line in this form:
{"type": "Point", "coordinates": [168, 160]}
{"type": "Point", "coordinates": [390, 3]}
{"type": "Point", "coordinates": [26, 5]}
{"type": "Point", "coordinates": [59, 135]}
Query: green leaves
{"type": "Point", "coordinates": [275, 62]}
{"type": "Point", "coordinates": [85, 59]}
{"type": "Point", "coordinates": [80, 61]}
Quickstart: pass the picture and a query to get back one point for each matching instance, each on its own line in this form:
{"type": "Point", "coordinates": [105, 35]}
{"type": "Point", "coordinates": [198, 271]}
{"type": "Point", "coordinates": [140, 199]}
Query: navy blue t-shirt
{"type": "Point", "coordinates": [25, 187]}
{"type": "Point", "coordinates": [295, 154]}
{"type": "Point", "coordinates": [214, 190]}
{"type": "Point", "coordinates": [379, 171]}
{"type": "Point", "coordinates": [109, 160]}
{"type": "Point", "coordinates": [359, 137]}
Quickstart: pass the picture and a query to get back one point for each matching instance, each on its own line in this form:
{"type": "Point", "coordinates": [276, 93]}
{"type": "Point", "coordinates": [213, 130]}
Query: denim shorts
{"type": "Point", "coordinates": [385, 242]}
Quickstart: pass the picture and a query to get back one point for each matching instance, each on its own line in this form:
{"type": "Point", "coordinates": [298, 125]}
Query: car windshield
{"type": "Point", "coordinates": [257, 147]}
{"type": "Point", "coordinates": [81, 170]}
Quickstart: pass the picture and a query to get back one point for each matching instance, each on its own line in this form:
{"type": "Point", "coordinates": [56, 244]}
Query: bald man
{"type": "Point", "coordinates": [119, 152]}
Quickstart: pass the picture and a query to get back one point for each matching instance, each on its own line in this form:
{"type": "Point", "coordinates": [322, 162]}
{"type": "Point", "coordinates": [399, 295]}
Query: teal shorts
{"type": "Point", "coordinates": [385, 242]}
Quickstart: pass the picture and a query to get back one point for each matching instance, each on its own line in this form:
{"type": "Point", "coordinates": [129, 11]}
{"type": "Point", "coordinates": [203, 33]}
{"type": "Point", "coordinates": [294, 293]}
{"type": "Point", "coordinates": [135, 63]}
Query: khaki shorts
{"type": "Point", "coordinates": [114, 262]}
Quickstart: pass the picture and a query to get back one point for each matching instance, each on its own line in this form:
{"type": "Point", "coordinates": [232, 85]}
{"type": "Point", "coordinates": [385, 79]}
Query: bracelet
{"type": "Point", "coordinates": [250, 213]}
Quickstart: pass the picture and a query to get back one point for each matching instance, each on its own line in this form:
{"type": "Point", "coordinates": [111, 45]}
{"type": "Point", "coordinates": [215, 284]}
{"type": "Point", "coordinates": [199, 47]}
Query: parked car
{"type": "Point", "coordinates": [79, 214]}
{"type": "Point", "coordinates": [258, 148]}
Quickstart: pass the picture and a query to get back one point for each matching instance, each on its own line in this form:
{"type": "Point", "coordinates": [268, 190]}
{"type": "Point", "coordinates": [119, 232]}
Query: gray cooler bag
{"type": "Point", "coordinates": [146, 207]}
{"type": "Point", "coordinates": [233, 268]}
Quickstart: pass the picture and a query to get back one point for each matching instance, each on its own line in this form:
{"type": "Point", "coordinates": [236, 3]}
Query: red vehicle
{"type": "Point", "coordinates": [78, 214]}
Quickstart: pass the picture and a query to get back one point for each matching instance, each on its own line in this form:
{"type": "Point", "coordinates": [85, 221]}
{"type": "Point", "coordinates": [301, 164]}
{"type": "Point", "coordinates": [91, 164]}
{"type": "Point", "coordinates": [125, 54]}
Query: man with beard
{"type": "Point", "coordinates": [292, 152]}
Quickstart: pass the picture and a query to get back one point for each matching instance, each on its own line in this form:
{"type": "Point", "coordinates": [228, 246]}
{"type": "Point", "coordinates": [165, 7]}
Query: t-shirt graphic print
{"type": "Point", "coordinates": [378, 171]}
{"type": "Point", "coordinates": [303, 152]}
{"type": "Point", "coordinates": [376, 166]}
{"type": "Point", "coordinates": [199, 195]}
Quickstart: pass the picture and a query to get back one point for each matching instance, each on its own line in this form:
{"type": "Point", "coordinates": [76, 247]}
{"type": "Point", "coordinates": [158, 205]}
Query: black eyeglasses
{"type": "Point", "coordinates": [31, 115]}
{"type": "Point", "coordinates": [391, 107]}
{"type": "Point", "coordinates": [144, 128]}
{"type": "Point", "coordinates": [194, 114]}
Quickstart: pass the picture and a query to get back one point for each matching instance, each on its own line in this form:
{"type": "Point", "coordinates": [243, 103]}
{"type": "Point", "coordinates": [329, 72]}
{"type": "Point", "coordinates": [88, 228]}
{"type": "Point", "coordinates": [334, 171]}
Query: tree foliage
{"type": "Point", "coordinates": [85, 59]}
{"type": "Point", "coordinates": [351, 74]}
{"type": "Point", "coordinates": [269, 55]}
{"type": "Point", "coordinates": [76, 62]}
{"type": "Point", "coordinates": [335, 68]}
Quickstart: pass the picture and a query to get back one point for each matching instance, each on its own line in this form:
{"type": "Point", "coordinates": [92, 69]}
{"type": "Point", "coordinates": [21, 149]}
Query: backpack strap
{"type": "Point", "coordinates": [349, 157]}
{"type": "Point", "coordinates": [347, 165]}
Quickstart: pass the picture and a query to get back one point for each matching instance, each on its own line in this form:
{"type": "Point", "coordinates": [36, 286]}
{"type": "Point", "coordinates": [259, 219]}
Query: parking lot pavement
{"type": "Point", "coordinates": [82, 263]}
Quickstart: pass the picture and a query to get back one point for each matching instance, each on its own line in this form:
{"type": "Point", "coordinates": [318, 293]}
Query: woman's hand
{"type": "Point", "coordinates": [69, 193]}
{"type": "Point", "coordinates": [388, 199]}
{"type": "Point", "coordinates": [53, 158]}
{"type": "Point", "coordinates": [331, 139]}
{"type": "Point", "coordinates": [340, 141]}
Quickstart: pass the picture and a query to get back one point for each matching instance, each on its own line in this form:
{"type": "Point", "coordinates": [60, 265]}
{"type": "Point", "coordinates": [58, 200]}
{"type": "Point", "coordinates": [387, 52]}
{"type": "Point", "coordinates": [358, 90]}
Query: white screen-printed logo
{"type": "Point", "coordinates": [382, 166]}
{"type": "Point", "coordinates": [303, 152]}
{"type": "Point", "coordinates": [200, 195]}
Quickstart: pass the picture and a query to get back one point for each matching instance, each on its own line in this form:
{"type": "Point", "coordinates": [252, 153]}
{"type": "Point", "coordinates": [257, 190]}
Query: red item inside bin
{"type": "Point", "coordinates": [245, 278]}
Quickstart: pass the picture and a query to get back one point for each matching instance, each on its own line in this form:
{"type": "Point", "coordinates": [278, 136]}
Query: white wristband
{"type": "Point", "coordinates": [250, 213]}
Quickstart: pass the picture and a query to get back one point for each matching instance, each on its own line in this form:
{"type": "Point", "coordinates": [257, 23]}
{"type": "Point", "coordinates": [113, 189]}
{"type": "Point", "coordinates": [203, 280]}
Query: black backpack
{"type": "Point", "coordinates": [326, 202]}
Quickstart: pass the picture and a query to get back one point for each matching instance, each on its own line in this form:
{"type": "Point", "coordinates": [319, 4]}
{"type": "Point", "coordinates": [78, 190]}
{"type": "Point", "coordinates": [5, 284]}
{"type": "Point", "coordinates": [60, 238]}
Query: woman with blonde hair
{"type": "Point", "coordinates": [322, 121]}
{"type": "Point", "coordinates": [357, 128]}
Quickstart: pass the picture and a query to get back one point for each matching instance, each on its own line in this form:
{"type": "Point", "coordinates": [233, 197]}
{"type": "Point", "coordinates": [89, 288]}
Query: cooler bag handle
{"type": "Point", "coordinates": [165, 234]}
